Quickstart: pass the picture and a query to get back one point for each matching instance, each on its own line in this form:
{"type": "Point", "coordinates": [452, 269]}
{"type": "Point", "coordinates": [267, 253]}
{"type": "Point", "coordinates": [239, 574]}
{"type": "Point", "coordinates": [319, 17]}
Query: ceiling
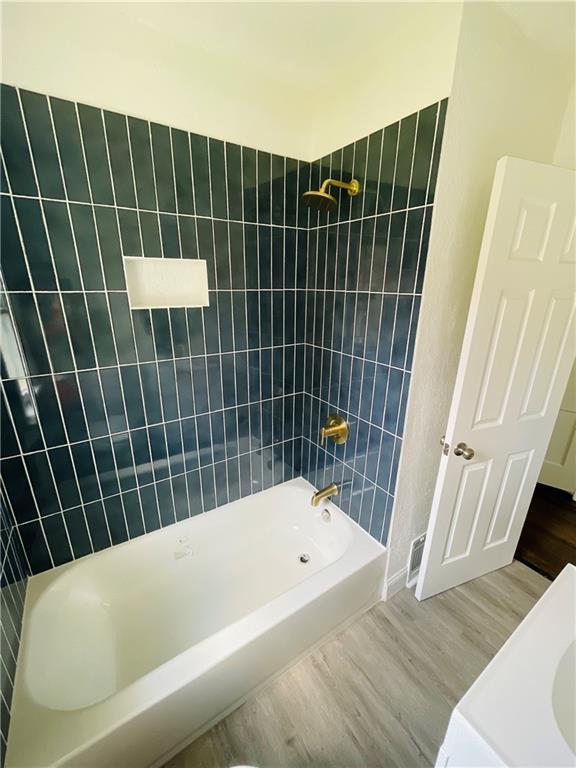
{"type": "Point", "coordinates": [294, 78]}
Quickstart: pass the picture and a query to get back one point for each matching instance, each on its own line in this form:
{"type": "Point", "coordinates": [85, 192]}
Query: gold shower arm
{"type": "Point", "coordinates": [353, 186]}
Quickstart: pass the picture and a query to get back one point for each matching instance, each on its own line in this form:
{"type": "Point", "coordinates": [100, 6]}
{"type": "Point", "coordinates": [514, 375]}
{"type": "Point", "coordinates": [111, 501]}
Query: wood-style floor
{"type": "Point", "coordinates": [380, 693]}
{"type": "Point", "coordinates": [548, 539]}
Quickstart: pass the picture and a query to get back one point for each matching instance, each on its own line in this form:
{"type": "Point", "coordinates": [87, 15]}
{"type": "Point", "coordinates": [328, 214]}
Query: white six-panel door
{"type": "Point", "coordinates": [518, 349]}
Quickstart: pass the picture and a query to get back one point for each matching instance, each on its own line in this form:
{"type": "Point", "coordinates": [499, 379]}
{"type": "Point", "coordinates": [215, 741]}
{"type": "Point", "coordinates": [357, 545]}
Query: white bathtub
{"type": "Point", "coordinates": [129, 654]}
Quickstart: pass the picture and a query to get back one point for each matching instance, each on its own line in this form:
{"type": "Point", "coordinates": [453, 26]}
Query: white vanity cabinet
{"type": "Point", "coordinates": [521, 711]}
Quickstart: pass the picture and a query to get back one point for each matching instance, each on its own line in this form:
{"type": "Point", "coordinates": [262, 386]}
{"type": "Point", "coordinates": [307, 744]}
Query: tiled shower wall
{"type": "Point", "coordinates": [13, 574]}
{"type": "Point", "coordinates": [115, 423]}
{"type": "Point", "coordinates": [364, 282]}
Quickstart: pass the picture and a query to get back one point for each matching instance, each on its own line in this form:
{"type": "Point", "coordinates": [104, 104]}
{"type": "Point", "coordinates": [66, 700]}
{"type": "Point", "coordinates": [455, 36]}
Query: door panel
{"type": "Point", "coordinates": [518, 349]}
{"type": "Point", "coordinates": [509, 494]}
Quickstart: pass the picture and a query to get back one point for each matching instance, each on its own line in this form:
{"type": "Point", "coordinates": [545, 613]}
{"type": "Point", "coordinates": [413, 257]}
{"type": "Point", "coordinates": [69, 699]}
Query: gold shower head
{"type": "Point", "coordinates": [321, 200]}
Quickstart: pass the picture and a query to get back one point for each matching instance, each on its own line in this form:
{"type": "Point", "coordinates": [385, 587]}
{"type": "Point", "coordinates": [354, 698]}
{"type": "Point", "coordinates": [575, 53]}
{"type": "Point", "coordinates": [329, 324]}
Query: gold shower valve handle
{"type": "Point", "coordinates": [336, 428]}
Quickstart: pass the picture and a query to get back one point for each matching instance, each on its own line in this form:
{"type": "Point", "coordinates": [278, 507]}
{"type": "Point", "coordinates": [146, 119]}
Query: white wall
{"type": "Point", "coordinates": [509, 97]}
{"type": "Point", "coordinates": [565, 150]}
{"type": "Point", "coordinates": [297, 79]}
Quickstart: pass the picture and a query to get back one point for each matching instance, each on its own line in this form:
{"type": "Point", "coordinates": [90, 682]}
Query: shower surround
{"type": "Point", "coordinates": [117, 422]}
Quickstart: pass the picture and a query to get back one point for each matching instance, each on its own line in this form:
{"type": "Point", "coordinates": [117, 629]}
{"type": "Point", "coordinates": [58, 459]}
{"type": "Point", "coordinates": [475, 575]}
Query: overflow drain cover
{"type": "Point", "coordinates": [304, 558]}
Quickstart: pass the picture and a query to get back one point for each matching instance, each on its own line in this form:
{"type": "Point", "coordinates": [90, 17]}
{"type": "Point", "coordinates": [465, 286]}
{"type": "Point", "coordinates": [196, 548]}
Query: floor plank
{"type": "Point", "coordinates": [380, 693]}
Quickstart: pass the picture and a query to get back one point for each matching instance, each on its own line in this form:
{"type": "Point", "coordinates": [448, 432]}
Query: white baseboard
{"type": "Point", "coordinates": [394, 584]}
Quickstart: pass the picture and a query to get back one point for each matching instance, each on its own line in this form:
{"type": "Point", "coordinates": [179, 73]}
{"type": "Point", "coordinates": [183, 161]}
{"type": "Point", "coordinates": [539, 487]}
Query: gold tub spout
{"type": "Point", "coordinates": [325, 493]}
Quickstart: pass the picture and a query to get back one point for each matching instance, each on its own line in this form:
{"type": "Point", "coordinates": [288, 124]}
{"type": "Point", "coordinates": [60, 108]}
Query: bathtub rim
{"type": "Point", "coordinates": [157, 684]}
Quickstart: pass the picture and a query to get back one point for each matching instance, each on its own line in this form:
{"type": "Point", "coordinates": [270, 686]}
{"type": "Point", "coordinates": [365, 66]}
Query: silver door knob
{"type": "Point", "coordinates": [463, 450]}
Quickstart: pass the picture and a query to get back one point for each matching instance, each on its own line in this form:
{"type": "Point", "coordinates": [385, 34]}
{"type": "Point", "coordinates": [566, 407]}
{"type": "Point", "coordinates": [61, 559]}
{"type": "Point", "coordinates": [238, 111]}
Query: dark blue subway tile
{"type": "Point", "coordinates": [57, 539]}
{"type": "Point", "coordinates": [130, 233]}
{"type": "Point", "coordinates": [121, 162]}
{"type": "Point", "coordinates": [185, 389]}
{"type": "Point", "coordinates": [34, 542]}
{"type": "Point", "coordinates": [72, 407]}
{"type": "Point", "coordinates": [70, 148]}
{"type": "Point", "coordinates": [63, 249]}
{"type": "Point", "coordinates": [150, 226]}
{"type": "Point", "coordinates": [44, 151]}
{"type": "Point", "coordinates": [194, 492]}
{"type": "Point", "coordinates": [180, 493]}
{"type": "Point", "coordinates": [163, 169]}
{"type": "Point", "coordinates": [221, 483]}
{"type": "Point", "coordinates": [182, 171]}
{"type": "Point", "coordinates": [86, 471]}
{"type": "Point", "coordinates": [162, 334]}
{"type": "Point", "coordinates": [393, 396]}
{"type": "Point", "coordinates": [234, 180]}
{"type": "Point", "coordinates": [77, 320]}
{"type": "Point", "coordinates": [411, 250]}
{"type": "Point", "coordinates": [133, 512]}
{"type": "Point", "coordinates": [143, 334]}
{"type": "Point", "coordinates": [18, 490]}
{"type": "Point", "coordinates": [170, 240]}
{"type": "Point", "coordinates": [150, 508]}
{"type": "Point", "coordinates": [217, 436]}
{"type": "Point", "coordinates": [99, 316]}
{"type": "Point", "coordinates": [35, 242]}
{"type": "Point", "coordinates": [90, 388]}
{"type": "Point", "coordinates": [217, 178]}
{"type": "Point", "coordinates": [15, 145]}
{"type": "Point", "coordinates": [404, 158]}
{"type": "Point", "coordinates": [437, 146]}
{"type": "Point", "coordinates": [114, 399]}
{"type": "Point", "coordinates": [107, 226]}
{"type": "Point", "coordinates": [159, 451]}
{"type": "Point", "coordinates": [142, 459]}
{"type": "Point", "coordinates": [124, 461]}
{"type": "Point", "coordinates": [401, 330]}
{"type": "Point", "coordinates": [174, 448]}
{"type": "Point", "coordinates": [225, 321]}
{"type": "Point", "coordinates": [105, 466]}
{"type": "Point", "coordinates": [97, 525]}
{"type": "Point", "coordinates": [54, 328]}
{"type": "Point", "coordinates": [151, 392]}
{"type": "Point", "coordinates": [14, 268]}
{"type": "Point", "coordinates": [29, 333]}
{"type": "Point", "coordinates": [77, 527]}
{"type": "Point", "coordinates": [423, 155]}
{"type": "Point", "coordinates": [142, 160]}
{"type": "Point", "coordinates": [8, 439]}
{"type": "Point", "coordinates": [115, 516]}
{"type": "Point", "coordinates": [38, 470]}
{"type": "Point", "coordinates": [214, 371]}
{"type": "Point", "coordinates": [249, 184]}
{"type": "Point", "coordinates": [200, 165]}
{"type": "Point", "coordinates": [96, 154]}
{"type": "Point", "coordinates": [47, 406]}
{"type": "Point", "coordinates": [133, 396]}
{"type": "Point", "coordinates": [200, 383]}
{"type": "Point", "coordinates": [208, 490]}
{"type": "Point", "coordinates": [190, 444]}
{"type": "Point", "coordinates": [168, 391]}
{"type": "Point", "coordinates": [222, 255]}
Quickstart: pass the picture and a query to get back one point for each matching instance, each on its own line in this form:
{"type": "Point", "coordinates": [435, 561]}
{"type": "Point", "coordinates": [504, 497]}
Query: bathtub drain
{"type": "Point", "coordinates": [304, 558]}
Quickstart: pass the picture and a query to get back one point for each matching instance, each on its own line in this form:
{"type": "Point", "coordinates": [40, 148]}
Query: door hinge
{"type": "Point", "coordinates": [445, 445]}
